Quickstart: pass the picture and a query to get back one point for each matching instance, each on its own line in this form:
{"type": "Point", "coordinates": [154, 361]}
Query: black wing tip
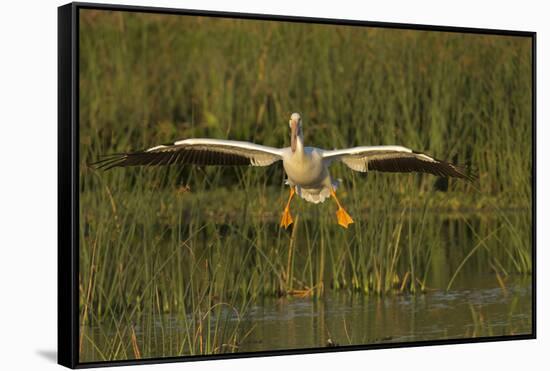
{"type": "Point", "coordinates": [109, 161]}
{"type": "Point", "coordinates": [122, 159]}
{"type": "Point", "coordinates": [465, 172]}
{"type": "Point", "coordinates": [468, 175]}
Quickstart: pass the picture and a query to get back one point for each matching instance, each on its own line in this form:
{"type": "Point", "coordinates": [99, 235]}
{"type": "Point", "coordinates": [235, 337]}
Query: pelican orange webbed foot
{"type": "Point", "coordinates": [286, 219]}
{"type": "Point", "coordinates": [344, 219]}
{"type": "Point", "coordinates": [307, 168]}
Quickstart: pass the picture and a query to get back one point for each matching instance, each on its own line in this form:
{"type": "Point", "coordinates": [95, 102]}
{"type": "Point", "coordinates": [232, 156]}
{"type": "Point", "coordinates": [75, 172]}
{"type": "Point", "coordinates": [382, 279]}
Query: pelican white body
{"type": "Point", "coordinates": [307, 172]}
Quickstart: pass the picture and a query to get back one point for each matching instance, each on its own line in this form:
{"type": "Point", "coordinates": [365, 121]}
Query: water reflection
{"type": "Point", "coordinates": [483, 309]}
{"type": "Point", "coordinates": [346, 320]}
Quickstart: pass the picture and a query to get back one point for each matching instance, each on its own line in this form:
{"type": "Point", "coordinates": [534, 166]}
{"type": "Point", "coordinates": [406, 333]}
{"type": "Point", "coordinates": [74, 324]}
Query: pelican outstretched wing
{"type": "Point", "coordinates": [197, 152]}
{"type": "Point", "coordinates": [396, 159]}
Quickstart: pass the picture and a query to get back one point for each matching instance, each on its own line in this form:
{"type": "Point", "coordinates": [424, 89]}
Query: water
{"type": "Point", "coordinates": [482, 308]}
{"type": "Point", "coordinates": [345, 320]}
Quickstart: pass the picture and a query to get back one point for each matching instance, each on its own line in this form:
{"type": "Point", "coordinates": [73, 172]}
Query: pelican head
{"type": "Point", "coordinates": [295, 124]}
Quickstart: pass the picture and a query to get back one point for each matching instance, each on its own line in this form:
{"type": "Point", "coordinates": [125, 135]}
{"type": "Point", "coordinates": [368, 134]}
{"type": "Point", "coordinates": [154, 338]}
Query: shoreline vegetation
{"type": "Point", "coordinates": [203, 244]}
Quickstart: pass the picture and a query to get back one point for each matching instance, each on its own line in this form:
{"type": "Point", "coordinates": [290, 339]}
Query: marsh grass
{"type": "Point", "coordinates": [204, 243]}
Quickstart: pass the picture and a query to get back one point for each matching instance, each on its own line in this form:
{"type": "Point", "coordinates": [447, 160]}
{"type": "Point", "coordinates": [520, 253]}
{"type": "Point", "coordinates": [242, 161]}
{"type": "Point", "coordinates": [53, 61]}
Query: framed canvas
{"type": "Point", "coordinates": [235, 185]}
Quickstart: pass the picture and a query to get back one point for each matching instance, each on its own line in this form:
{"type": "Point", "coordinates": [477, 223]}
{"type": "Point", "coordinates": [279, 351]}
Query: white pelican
{"type": "Point", "coordinates": [307, 168]}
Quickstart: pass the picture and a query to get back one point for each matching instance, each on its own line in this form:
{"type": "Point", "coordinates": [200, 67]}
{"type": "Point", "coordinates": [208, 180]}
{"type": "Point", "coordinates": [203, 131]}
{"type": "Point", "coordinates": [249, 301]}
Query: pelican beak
{"type": "Point", "coordinates": [293, 135]}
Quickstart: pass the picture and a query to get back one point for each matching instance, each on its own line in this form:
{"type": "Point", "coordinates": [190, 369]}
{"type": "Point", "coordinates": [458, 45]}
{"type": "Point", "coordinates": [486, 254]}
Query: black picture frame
{"type": "Point", "coordinates": [68, 182]}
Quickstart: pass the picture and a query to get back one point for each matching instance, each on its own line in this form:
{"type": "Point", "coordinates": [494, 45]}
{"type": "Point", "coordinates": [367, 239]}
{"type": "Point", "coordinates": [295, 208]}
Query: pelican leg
{"type": "Point", "coordinates": [286, 219]}
{"type": "Point", "coordinates": [344, 219]}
